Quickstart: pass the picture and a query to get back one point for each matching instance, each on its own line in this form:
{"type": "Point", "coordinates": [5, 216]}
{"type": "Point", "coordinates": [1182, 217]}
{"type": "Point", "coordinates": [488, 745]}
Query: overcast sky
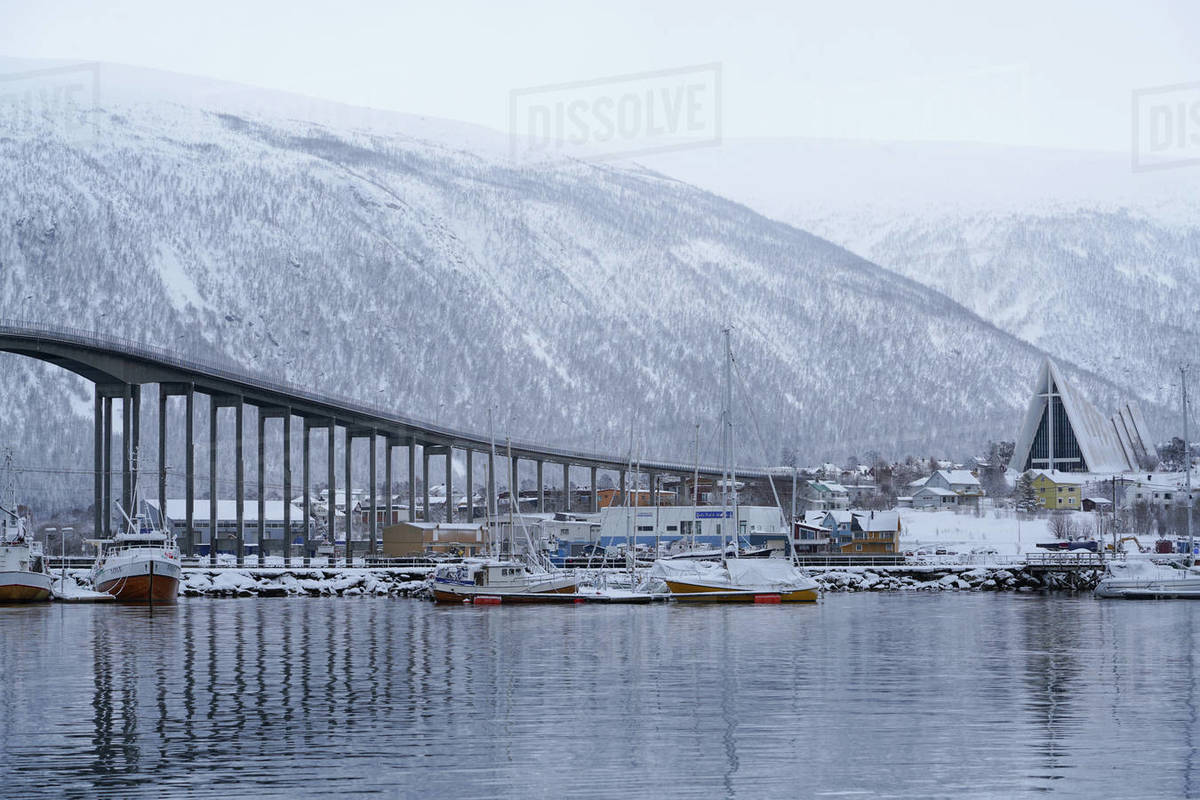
{"type": "Point", "coordinates": [1038, 73]}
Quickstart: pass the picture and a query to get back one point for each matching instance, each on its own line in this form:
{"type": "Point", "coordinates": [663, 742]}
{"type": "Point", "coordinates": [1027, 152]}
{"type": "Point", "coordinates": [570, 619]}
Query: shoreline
{"type": "Point", "coordinates": [225, 582]}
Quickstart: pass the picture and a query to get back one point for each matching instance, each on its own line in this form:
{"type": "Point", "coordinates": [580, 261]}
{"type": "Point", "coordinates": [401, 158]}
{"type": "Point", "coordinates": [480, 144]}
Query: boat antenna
{"type": "Point", "coordinates": [726, 442]}
{"type": "Point", "coordinates": [493, 501]}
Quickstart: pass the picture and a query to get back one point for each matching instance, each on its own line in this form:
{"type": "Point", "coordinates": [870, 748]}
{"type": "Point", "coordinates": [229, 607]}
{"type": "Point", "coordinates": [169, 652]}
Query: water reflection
{"type": "Point", "coordinates": [897, 695]}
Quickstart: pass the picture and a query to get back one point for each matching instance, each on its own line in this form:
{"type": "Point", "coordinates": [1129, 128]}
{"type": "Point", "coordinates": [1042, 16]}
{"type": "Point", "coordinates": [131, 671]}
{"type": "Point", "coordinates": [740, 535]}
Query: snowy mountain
{"type": "Point", "coordinates": [1072, 252]}
{"type": "Point", "coordinates": [410, 262]}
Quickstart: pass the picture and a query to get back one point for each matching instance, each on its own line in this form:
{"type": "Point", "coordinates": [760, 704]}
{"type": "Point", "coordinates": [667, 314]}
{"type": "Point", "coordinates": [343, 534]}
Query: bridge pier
{"type": "Point", "coordinates": [425, 483]}
{"type": "Point", "coordinates": [240, 482]}
{"type": "Point", "coordinates": [412, 479]}
{"type": "Point", "coordinates": [449, 484]}
{"type": "Point", "coordinates": [470, 455]}
{"type": "Point", "coordinates": [541, 486]}
{"type": "Point", "coordinates": [623, 487]}
{"type": "Point", "coordinates": [514, 491]}
{"type": "Point", "coordinates": [287, 487]}
{"type": "Point", "coordinates": [306, 488]}
{"type": "Point", "coordinates": [566, 496]}
{"type": "Point", "coordinates": [126, 447]}
{"type": "Point", "coordinates": [348, 511]}
{"type": "Point", "coordinates": [136, 439]}
{"type": "Point", "coordinates": [108, 490]}
{"type": "Point", "coordinates": [595, 494]}
{"type": "Point", "coordinates": [262, 488]}
{"type": "Point", "coordinates": [331, 505]}
{"type": "Point", "coordinates": [212, 480]}
{"type": "Point", "coordinates": [374, 528]}
{"type": "Point", "coordinates": [98, 465]}
{"type": "Point", "coordinates": [492, 506]}
{"type": "Point", "coordinates": [388, 449]}
{"type": "Point", "coordinates": [162, 455]}
{"type": "Point", "coordinates": [189, 470]}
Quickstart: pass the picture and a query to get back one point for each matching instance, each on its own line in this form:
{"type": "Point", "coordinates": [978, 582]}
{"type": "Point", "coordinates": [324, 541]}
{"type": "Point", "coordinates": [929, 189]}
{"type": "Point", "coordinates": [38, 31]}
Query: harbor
{"type": "Point", "coordinates": [1016, 694]}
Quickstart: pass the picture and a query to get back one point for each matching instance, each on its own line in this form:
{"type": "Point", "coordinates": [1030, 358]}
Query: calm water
{"type": "Point", "coordinates": [897, 695]}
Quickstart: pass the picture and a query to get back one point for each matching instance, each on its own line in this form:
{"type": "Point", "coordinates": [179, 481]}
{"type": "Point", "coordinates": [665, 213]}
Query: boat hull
{"type": "Point", "coordinates": [141, 582]}
{"type": "Point", "coordinates": [1184, 589]}
{"type": "Point", "coordinates": [696, 592]}
{"type": "Point", "coordinates": [24, 587]}
{"type": "Point", "coordinates": [453, 593]}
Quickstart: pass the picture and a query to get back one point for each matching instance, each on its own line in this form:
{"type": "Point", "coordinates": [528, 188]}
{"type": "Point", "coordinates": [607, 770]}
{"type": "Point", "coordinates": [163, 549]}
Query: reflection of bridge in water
{"type": "Point", "coordinates": [119, 368]}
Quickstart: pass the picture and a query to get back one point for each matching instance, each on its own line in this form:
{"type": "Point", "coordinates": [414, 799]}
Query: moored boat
{"type": "Point", "coordinates": [23, 577]}
{"type": "Point", "coordinates": [736, 581]}
{"type": "Point", "coordinates": [140, 564]}
{"type": "Point", "coordinates": [1140, 580]}
{"type": "Point", "coordinates": [507, 580]}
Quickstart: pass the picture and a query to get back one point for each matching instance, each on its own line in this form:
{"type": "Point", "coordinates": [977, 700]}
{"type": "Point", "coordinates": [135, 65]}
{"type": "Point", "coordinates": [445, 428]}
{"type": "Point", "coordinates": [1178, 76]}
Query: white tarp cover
{"type": "Point", "coordinates": [738, 572]}
{"type": "Point", "coordinates": [1136, 570]}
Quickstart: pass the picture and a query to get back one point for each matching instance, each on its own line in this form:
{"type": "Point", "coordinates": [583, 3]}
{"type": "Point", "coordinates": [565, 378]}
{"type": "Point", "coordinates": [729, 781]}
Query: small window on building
{"type": "Point", "coordinates": [858, 547]}
{"type": "Point", "coordinates": [645, 528]}
{"type": "Point", "coordinates": [1071, 500]}
{"type": "Point", "coordinates": [672, 527]}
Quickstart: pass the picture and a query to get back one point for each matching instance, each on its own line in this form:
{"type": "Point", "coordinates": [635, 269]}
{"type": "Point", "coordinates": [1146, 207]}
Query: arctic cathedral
{"type": "Point", "coordinates": [1064, 431]}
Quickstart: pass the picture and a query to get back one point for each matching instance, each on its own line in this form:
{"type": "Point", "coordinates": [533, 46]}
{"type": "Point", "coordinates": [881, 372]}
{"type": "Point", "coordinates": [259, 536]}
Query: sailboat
{"type": "Point", "coordinates": [141, 563]}
{"type": "Point", "coordinates": [503, 577]}
{"type": "Point", "coordinates": [23, 576]}
{"type": "Point", "coordinates": [734, 580]}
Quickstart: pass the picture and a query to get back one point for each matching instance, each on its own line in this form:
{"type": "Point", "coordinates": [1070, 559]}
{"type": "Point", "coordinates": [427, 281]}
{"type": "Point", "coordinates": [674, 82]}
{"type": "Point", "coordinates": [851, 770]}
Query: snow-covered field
{"type": "Point", "coordinates": [966, 533]}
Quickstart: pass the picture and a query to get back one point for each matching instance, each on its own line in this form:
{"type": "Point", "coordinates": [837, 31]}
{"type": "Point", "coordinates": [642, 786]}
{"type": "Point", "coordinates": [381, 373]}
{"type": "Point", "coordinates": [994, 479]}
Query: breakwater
{"type": "Point", "coordinates": [1011, 578]}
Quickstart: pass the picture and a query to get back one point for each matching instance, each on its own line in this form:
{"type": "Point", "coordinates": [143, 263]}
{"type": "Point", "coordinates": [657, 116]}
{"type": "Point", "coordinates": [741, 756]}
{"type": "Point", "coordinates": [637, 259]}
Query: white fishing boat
{"type": "Point", "coordinates": [23, 576]}
{"type": "Point", "coordinates": [141, 563]}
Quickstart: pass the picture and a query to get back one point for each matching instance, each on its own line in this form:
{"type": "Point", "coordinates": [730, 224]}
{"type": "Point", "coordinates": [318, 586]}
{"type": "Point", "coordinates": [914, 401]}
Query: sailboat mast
{"type": "Point", "coordinates": [1187, 465]}
{"type": "Point", "coordinates": [727, 441]}
{"type": "Point", "coordinates": [696, 488]}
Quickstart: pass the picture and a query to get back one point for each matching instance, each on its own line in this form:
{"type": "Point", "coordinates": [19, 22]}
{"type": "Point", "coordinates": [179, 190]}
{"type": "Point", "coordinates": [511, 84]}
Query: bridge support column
{"type": "Point", "coordinates": [388, 451]}
{"type": "Point", "coordinates": [189, 470]}
{"type": "Point", "coordinates": [262, 489]}
{"type": "Point", "coordinates": [331, 505]}
{"type": "Point", "coordinates": [425, 483]}
{"type": "Point", "coordinates": [349, 508]}
{"type": "Point", "coordinates": [623, 488]}
{"type": "Point", "coordinates": [566, 496]}
{"type": "Point", "coordinates": [126, 447]}
{"type": "Point", "coordinates": [541, 484]}
{"type": "Point", "coordinates": [212, 480]}
{"type": "Point", "coordinates": [514, 484]}
{"type": "Point", "coordinates": [595, 494]}
{"type": "Point", "coordinates": [306, 488]}
{"type": "Point", "coordinates": [492, 507]}
{"type": "Point", "coordinates": [162, 456]}
{"type": "Point", "coordinates": [412, 479]}
{"type": "Point", "coordinates": [374, 492]}
{"type": "Point", "coordinates": [287, 487]}
{"type": "Point", "coordinates": [135, 410]}
{"type": "Point", "coordinates": [107, 458]}
{"type": "Point", "coordinates": [98, 465]}
{"type": "Point", "coordinates": [470, 454]}
{"type": "Point", "coordinates": [654, 489]}
{"type": "Point", "coordinates": [449, 484]}
{"type": "Point", "coordinates": [240, 481]}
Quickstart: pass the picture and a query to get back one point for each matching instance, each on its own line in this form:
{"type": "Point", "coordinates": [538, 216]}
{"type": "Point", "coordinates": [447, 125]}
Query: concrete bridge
{"type": "Point", "coordinates": [119, 368]}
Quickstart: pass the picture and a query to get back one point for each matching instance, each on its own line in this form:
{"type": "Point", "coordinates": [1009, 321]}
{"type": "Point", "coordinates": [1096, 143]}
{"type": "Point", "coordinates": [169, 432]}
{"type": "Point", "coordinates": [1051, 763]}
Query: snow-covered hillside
{"type": "Point", "coordinates": [1072, 252]}
{"type": "Point", "coordinates": [445, 280]}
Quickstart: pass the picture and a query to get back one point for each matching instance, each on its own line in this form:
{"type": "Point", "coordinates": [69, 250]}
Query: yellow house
{"type": "Point", "coordinates": [1058, 491]}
